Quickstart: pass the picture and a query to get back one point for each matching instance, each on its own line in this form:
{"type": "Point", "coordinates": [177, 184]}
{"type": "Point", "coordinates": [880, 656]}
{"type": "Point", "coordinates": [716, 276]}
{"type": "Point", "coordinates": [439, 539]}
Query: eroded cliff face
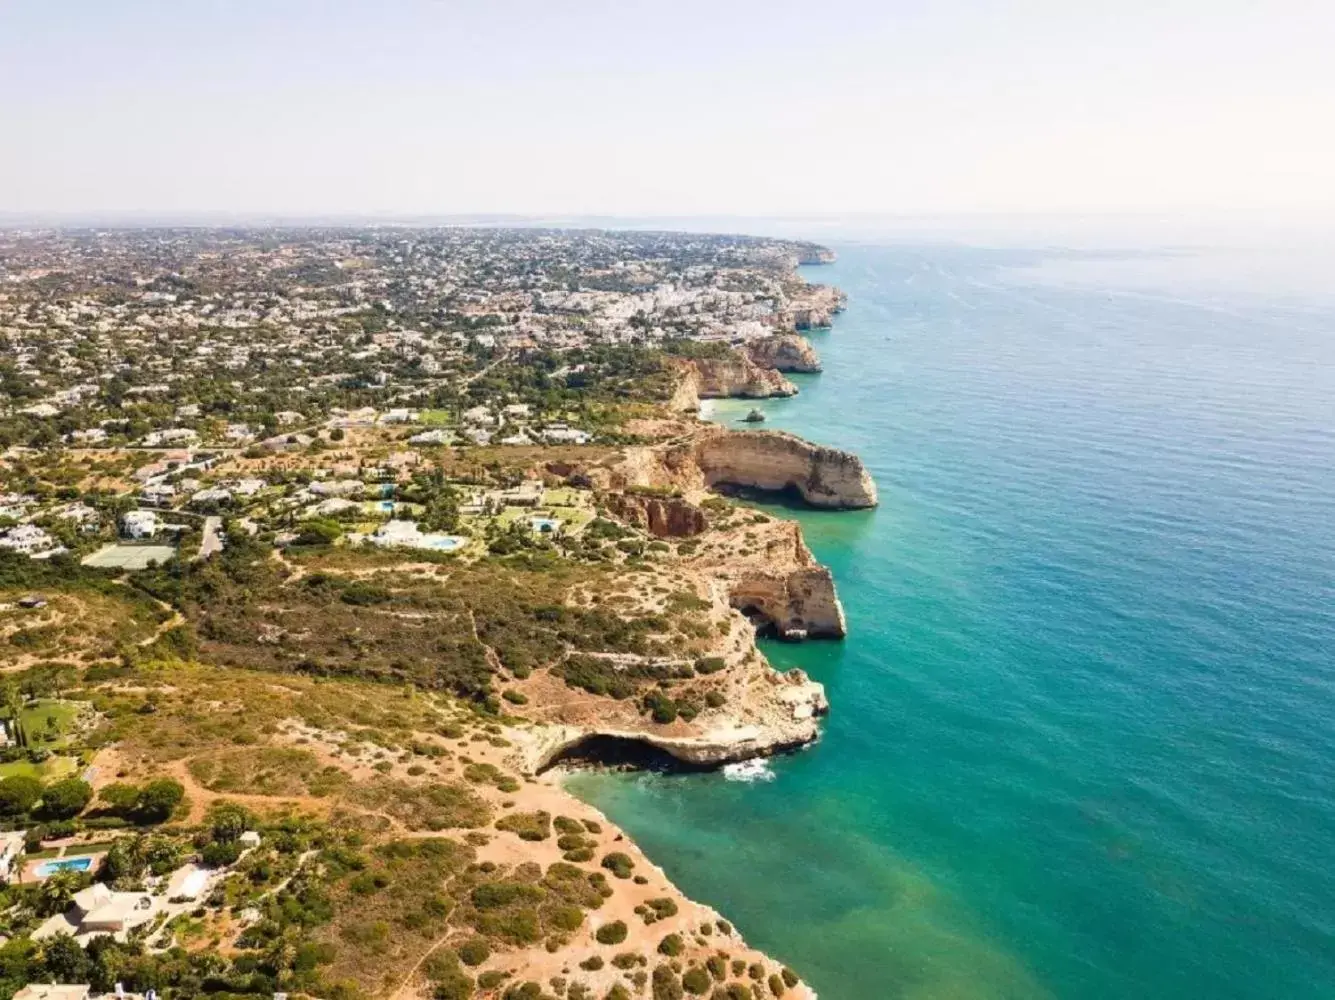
{"type": "Point", "coordinates": [777, 461]}
{"type": "Point", "coordinates": [771, 576]}
{"type": "Point", "coordinates": [733, 377]}
{"type": "Point", "coordinates": [784, 352]}
{"type": "Point", "coordinates": [663, 517]}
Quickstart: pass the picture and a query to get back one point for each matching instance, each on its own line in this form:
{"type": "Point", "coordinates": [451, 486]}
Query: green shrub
{"type": "Point", "coordinates": [789, 978]}
{"type": "Point", "coordinates": [527, 826]}
{"type": "Point", "coordinates": [564, 824]}
{"type": "Point", "coordinates": [564, 917]}
{"type": "Point", "coordinates": [618, 864]}
{"type": "Point", "coordinates": [474, 951]}
{"type": "Point", "coordinates": [662, 906]}
{"type": "Point", "coordinates": [494, 895]}
{"type": "Point", "coordinates": [612, 933]}
{"type": "Point", "coordinates": [519, 926]}
{"type": "Point", "coordinates": [666, 984]}
{"type": "Point", "coordinates": [671, 946]}
{"type": "Point", "coordinates": [592, 964]}
{"type": "Point", "coordinates": [776, 985]}
{"type": "Point", "coordinates": [696, 981]}
{"type": "Point", "coordinates": [710, 664]}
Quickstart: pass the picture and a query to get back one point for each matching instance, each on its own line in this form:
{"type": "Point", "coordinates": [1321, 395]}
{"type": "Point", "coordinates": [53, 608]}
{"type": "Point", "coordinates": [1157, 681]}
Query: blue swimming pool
{"type": "Point", "coordinates": [64, 865]}
{"type": "Point", "coordinates": [387, 506]}
{"type": "Point", "coordinates": [445, 543]}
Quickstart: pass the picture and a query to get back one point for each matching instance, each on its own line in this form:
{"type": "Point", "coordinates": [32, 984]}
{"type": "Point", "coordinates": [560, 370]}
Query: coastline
{"type": "Point", "coordinates": [709, 411]}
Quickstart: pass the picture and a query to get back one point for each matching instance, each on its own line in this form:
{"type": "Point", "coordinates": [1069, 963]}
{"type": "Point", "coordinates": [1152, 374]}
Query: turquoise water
{"type": "Point", "coordinates": [1082, 741]}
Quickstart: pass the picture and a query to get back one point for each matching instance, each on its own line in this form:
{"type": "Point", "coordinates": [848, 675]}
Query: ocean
{"type": "Point", "coordinates": [1082, 742]}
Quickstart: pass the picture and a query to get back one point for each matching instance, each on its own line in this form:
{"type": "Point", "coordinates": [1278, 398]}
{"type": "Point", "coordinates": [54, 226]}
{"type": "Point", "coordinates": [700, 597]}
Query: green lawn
{"type": "Point", "coordinates": [435, 418]}
{"type": "Point", "coordinates": [48, 770]}
{"type": "Point", "coordinates": [35, 721]}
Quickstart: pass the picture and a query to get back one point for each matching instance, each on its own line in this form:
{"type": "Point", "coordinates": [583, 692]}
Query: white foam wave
{"type": "Point", "coordinates": [756, 769]}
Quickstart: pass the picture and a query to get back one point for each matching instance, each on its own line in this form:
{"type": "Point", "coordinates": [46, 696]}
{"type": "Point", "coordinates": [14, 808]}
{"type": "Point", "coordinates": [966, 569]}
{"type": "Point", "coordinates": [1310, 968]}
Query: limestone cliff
{"type": "Point", "coordinates": [735, 376]}
{"type": "Point", "coordinates": [662, 517]}
{"type": "Point", "coordinates": [789, 706]}
{"type": "Point", "coordinates": [771, 576]}
{"type": "Point", "coordinates": [811, 307]}
{"type": "Point", "coordinates": [784, 352]}
{"type": "Point", "coordinates": [777, 461]}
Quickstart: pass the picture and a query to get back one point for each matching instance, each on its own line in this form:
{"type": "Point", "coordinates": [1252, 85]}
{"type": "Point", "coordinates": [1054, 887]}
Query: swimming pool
{"type": "Point", "coordinates": [545, 524]}
{"type": "Point", "coordinates": [64, 865]}
{"type": "Point", "coordinates": [387, 506]}
{"type": "Point", "coordinates": [444, 543]}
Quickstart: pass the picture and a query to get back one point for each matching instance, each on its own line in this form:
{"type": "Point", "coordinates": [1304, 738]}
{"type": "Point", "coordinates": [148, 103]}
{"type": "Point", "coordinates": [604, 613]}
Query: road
{"type": "Point", "coordinates": [212, 541]}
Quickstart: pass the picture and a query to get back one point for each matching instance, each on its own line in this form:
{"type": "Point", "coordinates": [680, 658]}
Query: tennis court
{"type": "Point", "coordinates": [129, 556]}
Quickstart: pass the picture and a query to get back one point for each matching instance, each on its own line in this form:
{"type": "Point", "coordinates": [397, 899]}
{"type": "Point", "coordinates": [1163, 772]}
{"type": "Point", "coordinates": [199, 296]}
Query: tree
{"type": "Point", "coordinates": [158, 800]}
{"type": "Point", "coordinates": [66, 799]}
{"type": "Point", "coordinates": [58, 890]}
{"type": "Point", "coordinates": [65, 960]}
{"type": "Point", "coordinates": [18, 794]}
{"type": "Point", "coordinates": [229, 822]}
{"type": "Point", "coordinates": [13, 699]}
{"type": "Point", "coordinates": [120, 797]}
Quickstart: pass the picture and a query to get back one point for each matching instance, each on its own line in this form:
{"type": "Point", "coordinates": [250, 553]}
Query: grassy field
{"type": "Point", "coordinates": [49, 770]}
{"type": "Point", "coordinates": [435, 418]}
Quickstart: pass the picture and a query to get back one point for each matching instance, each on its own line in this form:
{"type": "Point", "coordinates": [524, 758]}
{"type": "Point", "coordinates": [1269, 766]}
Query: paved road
{"type": "Point", "coordinates": [212, 541]}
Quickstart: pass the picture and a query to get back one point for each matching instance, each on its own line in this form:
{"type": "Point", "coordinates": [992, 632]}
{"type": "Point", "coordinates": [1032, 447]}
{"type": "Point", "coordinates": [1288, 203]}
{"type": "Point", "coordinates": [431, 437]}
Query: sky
{"type": "Point", "coordinates": [726, 107]}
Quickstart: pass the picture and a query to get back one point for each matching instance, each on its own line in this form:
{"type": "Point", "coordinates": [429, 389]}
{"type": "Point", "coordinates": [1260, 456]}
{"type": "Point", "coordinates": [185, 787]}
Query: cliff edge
{"type": "Point", "coordinates": [776, 461]}
{"type": "Point", "coordinates": [784, 352]}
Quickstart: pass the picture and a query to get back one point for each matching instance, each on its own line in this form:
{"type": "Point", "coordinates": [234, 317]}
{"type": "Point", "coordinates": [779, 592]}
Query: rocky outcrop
{"type": "Point", "coordinates": [784, 352]}
{"type": "Point", "coordinates": [812, 253]}
{"type": "Point", "coordinates": [800, 604]}
{"type": "Point", "coordinates": [776, 461]}
{"type": "Point", "coordinates": [735, 377]}
{"type": "Point", "coordinates": [811, 307]}
{"type": "Point", "coordinates": [663, 517]}
{"type": "Point", "coordinates": [793, 701]}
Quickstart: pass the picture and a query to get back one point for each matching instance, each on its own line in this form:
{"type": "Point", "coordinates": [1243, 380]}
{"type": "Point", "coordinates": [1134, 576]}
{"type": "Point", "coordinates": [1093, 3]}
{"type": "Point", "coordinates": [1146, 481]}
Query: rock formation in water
{"type": "Point", "coordinates": [784, 352]}
{"type": "Point", "coordinates": [776, 461]}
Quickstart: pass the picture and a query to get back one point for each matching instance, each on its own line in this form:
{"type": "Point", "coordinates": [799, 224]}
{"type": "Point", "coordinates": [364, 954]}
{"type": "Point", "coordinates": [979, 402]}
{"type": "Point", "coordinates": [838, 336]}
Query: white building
{"type": "Point", "coordinates": [140, 524]}
{"type": "Point", "coordinates": [159, 494]}
{"type": "Point", "coordinates": [28, 539]}
{"type": "Point", "coordinates": [338, 488]}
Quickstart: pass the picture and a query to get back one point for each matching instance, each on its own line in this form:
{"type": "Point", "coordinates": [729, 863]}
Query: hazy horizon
{"type": "Point", "coordinates": [742, 110]}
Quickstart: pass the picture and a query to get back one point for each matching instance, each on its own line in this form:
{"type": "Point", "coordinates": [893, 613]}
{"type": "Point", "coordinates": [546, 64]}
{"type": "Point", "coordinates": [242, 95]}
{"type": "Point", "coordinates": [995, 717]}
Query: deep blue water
{"type": "Point", "coordinates": [1083, 732]}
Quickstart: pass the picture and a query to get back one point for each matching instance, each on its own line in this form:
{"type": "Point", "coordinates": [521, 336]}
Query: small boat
{"type": "Point", "coordinates": [754, 417]}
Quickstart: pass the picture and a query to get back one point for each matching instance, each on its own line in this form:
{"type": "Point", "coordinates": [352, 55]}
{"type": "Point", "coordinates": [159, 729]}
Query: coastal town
{"type": "Point", "coordinates": [324, 553]}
